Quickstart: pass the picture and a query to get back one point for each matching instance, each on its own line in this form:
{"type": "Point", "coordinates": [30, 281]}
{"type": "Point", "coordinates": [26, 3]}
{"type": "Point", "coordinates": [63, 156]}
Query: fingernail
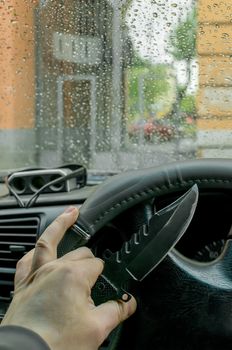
{"type": "Point", "coordinates": [70, 210]}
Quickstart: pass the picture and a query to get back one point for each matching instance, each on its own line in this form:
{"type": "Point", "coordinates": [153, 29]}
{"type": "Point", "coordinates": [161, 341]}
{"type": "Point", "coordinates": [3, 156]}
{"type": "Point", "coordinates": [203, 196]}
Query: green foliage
{"type": "Point", "coordinates": [154, 83]}
{"type": "Point", "coordinates": [188, 104]}
{"type": "Point", "coordinates": [137, 61]}
{"type": "Point", "coordinates": [183, 42]}
{"type": "Point", "coordinates": [183, 39]}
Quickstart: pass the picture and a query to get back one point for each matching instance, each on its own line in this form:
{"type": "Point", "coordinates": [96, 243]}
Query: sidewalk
{"type": "Point", "coordinates": [144, 156]}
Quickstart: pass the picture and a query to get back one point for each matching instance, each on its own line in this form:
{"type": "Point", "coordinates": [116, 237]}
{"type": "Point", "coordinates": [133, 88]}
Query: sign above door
{"type": "Point", "coordinates": [77, 49]}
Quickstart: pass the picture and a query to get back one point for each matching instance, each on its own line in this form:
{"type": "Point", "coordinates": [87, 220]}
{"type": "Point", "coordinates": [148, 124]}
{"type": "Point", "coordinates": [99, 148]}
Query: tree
{"type": "Point", "coordinates": [183, 40]}
{"type": "Point", "coordinates": [183, 48]}
{"type": "Point", "coordinates": [147, 84]}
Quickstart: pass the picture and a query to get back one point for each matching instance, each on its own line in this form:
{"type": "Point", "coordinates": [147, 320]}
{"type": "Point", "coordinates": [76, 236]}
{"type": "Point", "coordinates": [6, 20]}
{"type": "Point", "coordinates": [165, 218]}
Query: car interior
{"type": "Point", "coordinates": [186, 299]}
{"type": "Point", "coordinates": [119, 107]}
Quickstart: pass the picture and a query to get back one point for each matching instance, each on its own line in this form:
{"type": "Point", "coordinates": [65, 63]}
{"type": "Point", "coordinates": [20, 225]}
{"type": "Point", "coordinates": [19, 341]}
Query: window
{"type": "Point", "coordinates": [114, 85]}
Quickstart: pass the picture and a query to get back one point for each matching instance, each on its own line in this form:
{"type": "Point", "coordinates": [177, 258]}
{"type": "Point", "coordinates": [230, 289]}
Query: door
{"type": "Point", "coordinates": [77, 119]}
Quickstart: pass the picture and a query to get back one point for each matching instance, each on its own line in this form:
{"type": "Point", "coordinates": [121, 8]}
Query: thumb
{"type": "Point", "coordinates": [113, 312]}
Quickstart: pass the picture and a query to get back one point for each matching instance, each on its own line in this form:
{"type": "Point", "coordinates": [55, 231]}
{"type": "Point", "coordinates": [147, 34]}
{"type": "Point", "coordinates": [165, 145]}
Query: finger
{"type": "Point", "coordinates": [112, 313]}
{"type": "Point", "coordinates": [23, 267]}
{"type": "Point", "coordinates": [78, 254]}
{"type": "Point", "coordinates": [46, 246]}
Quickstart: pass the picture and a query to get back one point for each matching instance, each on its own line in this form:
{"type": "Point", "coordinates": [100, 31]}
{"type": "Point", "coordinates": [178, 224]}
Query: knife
{"type": "Point", "coordinates": [145, 250]}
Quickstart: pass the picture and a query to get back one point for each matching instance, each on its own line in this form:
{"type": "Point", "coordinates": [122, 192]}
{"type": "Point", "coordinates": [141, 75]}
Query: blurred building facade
{"type": "Point", "coordinates": [17, 83]}
{"type": "Point", "coordinates": [62, 88]}
{"type": "Point", "coordinates": [214, 103]}
{"type": "Point", "coordinates": [74, 79]}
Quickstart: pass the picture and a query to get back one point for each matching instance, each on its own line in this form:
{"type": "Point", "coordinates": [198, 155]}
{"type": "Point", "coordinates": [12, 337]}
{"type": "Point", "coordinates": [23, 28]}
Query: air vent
{"type": "Point", "coordinates": [17, 237]}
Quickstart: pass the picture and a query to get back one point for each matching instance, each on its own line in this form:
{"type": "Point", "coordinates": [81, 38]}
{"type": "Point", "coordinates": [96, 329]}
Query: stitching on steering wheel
{"type": "Point", "coordinates": [160, 189]}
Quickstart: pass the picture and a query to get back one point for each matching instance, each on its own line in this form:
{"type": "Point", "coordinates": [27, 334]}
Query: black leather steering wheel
{"type": "Point", "coordinates": [183, 303]}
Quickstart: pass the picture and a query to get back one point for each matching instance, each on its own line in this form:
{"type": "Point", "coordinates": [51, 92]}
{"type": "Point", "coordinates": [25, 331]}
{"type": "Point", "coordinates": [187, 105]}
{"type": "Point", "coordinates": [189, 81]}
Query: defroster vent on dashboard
{"type": "Point", "coordinates": [17, 237]}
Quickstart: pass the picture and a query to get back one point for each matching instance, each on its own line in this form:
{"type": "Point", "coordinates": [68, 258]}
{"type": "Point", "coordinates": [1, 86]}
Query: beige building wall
{"type": "Point", "coordinates": [17, 62]}
{"type": "Point", "coordinates": [214, 47]}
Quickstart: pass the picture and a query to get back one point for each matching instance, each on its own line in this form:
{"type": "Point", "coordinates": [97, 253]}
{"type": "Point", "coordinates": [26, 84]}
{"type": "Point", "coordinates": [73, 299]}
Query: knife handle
{"type": "Point", "coordinates": [104, 290]}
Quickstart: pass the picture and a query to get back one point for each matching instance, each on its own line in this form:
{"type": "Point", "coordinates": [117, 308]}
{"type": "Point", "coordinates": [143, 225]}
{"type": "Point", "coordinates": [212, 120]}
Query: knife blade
{"type": "Point", "coordinates": [145, 250]}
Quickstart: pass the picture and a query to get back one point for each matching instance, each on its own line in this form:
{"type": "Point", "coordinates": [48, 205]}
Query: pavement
{"type": "Point", "coordinates": [143, 156]}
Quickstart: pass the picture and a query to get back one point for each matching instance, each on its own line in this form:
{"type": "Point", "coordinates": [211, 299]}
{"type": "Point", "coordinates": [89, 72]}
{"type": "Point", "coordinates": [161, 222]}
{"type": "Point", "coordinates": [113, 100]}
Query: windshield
{"type": "Point", "coordinates": [114, 84]}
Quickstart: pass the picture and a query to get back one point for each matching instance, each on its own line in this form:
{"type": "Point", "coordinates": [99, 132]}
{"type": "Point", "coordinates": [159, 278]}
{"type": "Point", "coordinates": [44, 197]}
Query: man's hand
{"type": "Point", "coordinates": [52, 296]}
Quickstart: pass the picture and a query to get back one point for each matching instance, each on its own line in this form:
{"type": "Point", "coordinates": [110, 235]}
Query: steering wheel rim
{"type": "Point", "coordinates": [189, 300]}
{"type": "Point", "coordinates": [125, 190]}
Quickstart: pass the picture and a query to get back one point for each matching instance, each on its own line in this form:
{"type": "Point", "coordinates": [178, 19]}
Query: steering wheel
{"type": "Point", "coordinates": [186, 302]}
